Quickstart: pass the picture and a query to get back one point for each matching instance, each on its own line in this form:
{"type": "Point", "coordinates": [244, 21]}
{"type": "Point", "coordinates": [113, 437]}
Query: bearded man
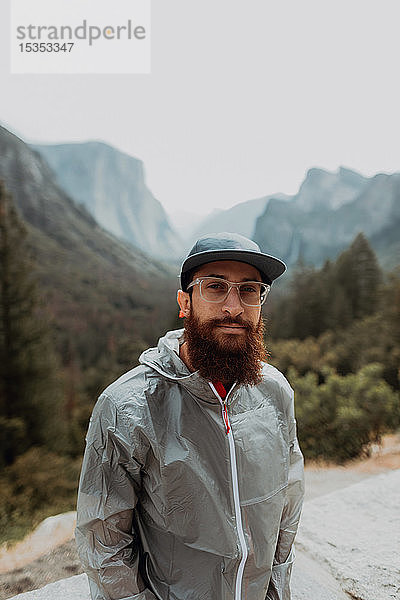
{"type": "Point", "coordinates": [192, 480]}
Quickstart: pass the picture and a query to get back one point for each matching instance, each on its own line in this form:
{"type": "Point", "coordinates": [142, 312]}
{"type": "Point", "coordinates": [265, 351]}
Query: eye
{"type": "Point", "coordinates": [250, 288]}
{"type": "Point", "coordinates": [215, 285]}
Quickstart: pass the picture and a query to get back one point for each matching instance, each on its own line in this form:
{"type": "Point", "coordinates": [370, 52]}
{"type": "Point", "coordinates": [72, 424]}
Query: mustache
{"type": "Point", "coordinates": [231, 321]}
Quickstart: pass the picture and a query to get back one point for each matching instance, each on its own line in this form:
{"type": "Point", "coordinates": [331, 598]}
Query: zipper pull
{"type": "Point", "coordinates": [220, 392]}
{"type": "Point", "coordinates": [225, 417]}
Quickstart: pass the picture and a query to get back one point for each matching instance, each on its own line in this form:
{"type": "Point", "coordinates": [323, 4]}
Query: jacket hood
{"type": "Point", "coordinates": [165, 360]}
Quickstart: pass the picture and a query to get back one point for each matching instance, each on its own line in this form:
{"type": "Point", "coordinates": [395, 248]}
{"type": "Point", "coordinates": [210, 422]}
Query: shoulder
{"type": "Point", "coordinates": [122, 411]}
{"type": "Point", "coordinates": [275, 379]}
{"type": "Point", "coordinates": [128, 395]}
{"type": "Point", "coordinates": [131, 384]}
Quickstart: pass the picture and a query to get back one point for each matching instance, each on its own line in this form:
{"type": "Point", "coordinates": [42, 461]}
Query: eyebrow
{"type": "Point", "coordinates": [226, 279]}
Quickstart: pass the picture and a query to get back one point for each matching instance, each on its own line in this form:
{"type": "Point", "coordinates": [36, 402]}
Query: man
{"type": "Point", "coordinates": [192, 481]}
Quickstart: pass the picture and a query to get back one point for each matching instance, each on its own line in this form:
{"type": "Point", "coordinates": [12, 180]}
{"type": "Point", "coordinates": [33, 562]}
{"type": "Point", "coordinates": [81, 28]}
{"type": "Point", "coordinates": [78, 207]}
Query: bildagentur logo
{"type": "Point", "coordinates": [80, 36]}
{"type": "Point", "coordinates": [85, 31]}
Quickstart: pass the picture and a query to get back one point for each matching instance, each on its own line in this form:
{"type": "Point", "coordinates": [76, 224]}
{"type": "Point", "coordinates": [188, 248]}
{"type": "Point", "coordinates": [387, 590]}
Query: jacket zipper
{"type": "Point", "coordinates": [236, 498]}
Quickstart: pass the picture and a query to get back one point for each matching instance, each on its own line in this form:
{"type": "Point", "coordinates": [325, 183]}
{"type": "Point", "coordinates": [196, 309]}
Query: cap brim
{"type": "Point", "coordinates": [270, 267]}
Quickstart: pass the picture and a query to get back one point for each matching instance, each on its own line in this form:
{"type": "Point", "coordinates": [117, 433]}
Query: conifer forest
{"type": "Point", "coordinates": [333, 331]}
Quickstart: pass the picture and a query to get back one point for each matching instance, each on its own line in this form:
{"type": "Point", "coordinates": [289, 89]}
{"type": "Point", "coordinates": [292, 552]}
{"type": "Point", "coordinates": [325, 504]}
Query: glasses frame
{"type": "Point", "coordinates": [231, 284]}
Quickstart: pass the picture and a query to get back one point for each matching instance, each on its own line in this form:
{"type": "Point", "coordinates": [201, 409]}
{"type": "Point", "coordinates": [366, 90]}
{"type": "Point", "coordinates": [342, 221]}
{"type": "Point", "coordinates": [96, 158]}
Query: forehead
{"type": "Point", "coordinates": [232, 270]}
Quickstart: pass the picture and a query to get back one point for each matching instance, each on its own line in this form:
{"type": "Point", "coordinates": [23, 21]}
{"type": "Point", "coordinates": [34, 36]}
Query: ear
{"type": "Point", "coordinates": [183, 299]}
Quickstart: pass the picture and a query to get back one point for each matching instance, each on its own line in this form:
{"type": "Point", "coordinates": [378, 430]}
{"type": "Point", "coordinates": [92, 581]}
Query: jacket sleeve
{"type": "Point", "coordinates": [109, 485]}
{"type": "Point", "coordinates": [279, 586]}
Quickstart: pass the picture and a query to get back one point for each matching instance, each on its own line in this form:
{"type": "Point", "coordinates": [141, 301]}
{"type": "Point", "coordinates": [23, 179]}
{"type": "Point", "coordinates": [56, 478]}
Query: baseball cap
{"type": "Point", "coordinates": [230, 246]}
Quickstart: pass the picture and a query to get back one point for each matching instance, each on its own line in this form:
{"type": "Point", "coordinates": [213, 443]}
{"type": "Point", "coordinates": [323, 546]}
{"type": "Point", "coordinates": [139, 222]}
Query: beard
{"type": "Point", "coordinates": [226, 357]}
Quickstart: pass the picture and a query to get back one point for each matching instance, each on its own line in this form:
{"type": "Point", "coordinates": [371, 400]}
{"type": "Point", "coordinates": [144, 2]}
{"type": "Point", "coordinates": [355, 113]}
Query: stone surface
{"type": "Point", "coordinates": [73, 588]}
{"type": "Point", "coordinates": [349, 541]}
{"type": "Point", "coordinates": [52, 532]}
{"type": "Point", "coordinates": [355, 533]}
{"type": "Point", "coordinates": [309, 583]}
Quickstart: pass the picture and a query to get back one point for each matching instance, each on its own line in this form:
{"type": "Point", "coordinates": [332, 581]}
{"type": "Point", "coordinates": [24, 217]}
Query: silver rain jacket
{"type": "Point", "coordinates": [184, 496]}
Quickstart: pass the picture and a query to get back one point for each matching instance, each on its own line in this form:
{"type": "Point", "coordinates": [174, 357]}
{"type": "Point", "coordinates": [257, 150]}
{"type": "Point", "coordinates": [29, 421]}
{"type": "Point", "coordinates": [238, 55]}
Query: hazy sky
{"type": "Point", "coordinates": [243, 98]}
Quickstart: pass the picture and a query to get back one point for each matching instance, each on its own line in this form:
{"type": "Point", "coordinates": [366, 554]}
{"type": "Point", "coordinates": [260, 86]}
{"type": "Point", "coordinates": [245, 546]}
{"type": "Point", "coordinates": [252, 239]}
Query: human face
{"type": "Point", "coordinates": [231, 309]}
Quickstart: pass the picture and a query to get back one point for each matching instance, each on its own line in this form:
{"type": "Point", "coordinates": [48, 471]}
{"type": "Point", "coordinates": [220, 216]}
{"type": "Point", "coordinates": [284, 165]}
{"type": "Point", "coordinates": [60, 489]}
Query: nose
{"type": "Point", "coordinates": [232, 304]}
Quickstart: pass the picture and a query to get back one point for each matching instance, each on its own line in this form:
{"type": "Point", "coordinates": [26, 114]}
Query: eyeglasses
{"type": "Point", "coordinates": [213, 289]}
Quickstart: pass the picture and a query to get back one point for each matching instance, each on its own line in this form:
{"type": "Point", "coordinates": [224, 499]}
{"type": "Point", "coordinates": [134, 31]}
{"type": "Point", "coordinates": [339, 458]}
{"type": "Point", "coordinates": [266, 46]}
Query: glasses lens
{"type": "Point", "coordinates": [253, 293]}
{"type": "Point", "coordinates": [213, 290]}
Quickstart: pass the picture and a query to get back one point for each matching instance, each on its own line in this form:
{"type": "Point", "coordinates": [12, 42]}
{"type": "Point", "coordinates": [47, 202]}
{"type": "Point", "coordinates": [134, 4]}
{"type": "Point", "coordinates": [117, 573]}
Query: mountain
{"type": "Point", "coordinates": [329, 210]}
{"type": "Point", "coordinates": [94, 284]}
{"type": "Point", "coordinates": [322, 189]}
{"type": "Point", "coordinates": [111, 186]}
{"type": "Point", "coordinates": [241, 218]}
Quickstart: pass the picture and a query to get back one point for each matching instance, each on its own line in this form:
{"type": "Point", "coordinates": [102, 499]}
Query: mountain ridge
{"type": "Point", "coordinates": [328, 211]}
{"type": "Point", "coordinates": [111, 185]}
{"type": "Point", "coordinates": [314, 228]}
{"type": "Point", "coordinates": [89, 278]}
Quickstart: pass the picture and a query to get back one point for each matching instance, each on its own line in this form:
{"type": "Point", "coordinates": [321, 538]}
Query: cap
{"type": "Point", "coordinates": [230, 246]}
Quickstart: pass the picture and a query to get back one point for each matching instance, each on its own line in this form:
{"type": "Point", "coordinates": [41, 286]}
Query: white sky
{"type": "Point", "coordinates": [244, 97]}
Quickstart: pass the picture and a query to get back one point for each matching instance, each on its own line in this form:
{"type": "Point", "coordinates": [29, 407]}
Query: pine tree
{"type": "Point", "coordinates": [29, 392]}
{"type": "Point", "coordinates": [359, 275]}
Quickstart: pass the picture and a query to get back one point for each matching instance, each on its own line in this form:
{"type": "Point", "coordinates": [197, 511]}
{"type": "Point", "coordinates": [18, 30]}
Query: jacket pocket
{"type": "Point", "coordinates": [279, 586]}
{"type": "Point", "coordinates": [150, 586]}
